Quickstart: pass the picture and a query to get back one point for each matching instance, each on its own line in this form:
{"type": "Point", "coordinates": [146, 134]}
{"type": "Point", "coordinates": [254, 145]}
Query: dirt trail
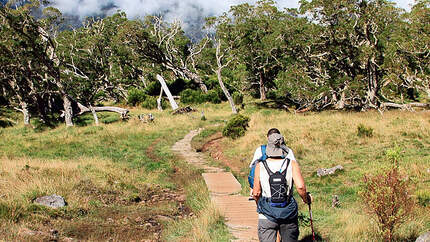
{"type": "Point", "coordinates": [240, 214]}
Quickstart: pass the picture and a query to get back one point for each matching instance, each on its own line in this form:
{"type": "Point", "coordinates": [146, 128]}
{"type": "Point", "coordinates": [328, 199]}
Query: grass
{"type": "Point", "coordinates": [114, 177]}
{"type": "Point", "coordinates": [327, 139]}
{"type": "Point", "coordinates": [110, 174]}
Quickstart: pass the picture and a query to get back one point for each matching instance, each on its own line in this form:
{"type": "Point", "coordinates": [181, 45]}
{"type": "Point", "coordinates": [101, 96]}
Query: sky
{"type": "Point", "coordinates": [185, 10]}
{"type": "Point", "coordinates": [177, 8]}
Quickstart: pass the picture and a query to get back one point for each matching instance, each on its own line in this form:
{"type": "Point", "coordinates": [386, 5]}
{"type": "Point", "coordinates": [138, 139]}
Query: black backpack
{"type": "Point", "coordinates": [278, 186]}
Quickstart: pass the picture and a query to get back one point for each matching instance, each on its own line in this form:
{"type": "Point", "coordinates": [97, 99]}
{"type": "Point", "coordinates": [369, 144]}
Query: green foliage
{"type": "Point", "coordinates": [153, 88]}
{"type": "Point", "coordinates": [386, 195]}
{"type": "Point", "coordinates": [190, 96]}
{"type": "Point", "coordinates": [236, 126]}
{"type": "Point", "coordinates": [213, 96]}
{"type": "Point", "coordinates": [423, 197]}
{"type": "Point", "coordinates": [136, 96]}
{"type": "Point", "coordinates": [237, 98]}
{"type": "Point", "coordinates": [363, 131]}
{"type": "Point", "coordinates": [149, 103]}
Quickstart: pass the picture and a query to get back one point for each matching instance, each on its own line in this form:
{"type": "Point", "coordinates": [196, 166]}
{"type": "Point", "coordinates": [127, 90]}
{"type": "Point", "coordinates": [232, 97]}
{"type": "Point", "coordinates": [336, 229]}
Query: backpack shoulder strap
{"type": "Point", "coordinates": [263, 153]}
{"type": "Point", "coordinates": [267, 167]}
{"type": "Point", "coordinates": [286, 168]}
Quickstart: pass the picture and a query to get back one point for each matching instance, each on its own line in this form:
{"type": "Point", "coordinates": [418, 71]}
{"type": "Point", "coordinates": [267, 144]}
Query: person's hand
{"type": "Point", "coordinates": [255, 193]}
{"type": "Point", "coordinates": [309, 198]}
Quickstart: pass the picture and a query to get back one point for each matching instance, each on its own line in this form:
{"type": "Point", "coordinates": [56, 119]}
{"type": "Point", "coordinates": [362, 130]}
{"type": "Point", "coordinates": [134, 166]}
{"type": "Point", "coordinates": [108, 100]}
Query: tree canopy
{"type": "Point", "coordinates": [339, 54]}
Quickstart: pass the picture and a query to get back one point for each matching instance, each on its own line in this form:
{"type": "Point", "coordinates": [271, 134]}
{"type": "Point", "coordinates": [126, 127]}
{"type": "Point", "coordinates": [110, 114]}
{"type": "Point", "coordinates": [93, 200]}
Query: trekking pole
{"type": "Point", "coordinates": [310, 216]}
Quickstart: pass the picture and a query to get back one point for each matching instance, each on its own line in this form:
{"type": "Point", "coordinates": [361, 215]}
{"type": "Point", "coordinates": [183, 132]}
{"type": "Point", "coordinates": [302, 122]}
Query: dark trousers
{"type": "Point", "coordinates": [289, 230]}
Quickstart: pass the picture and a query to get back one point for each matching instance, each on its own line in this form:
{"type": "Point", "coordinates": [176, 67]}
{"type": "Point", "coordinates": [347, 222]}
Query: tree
{"type": "Point", "coordinates": [26, 56]}
{"type": "Point", "coordinates": [253, 31]}
{"type": "Point", "coordinates": [155, 41]}
{"type": "Point", "coordinates": [348, 49]}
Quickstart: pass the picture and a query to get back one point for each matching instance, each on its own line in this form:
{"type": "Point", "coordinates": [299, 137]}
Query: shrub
{"type": "Point", "coordinates": [236, 127]}
{"type": "Point", "coordinates": [189, 96]}
{"type": "Point", "coordinates": [213, 97]}
{"type": "Point", "coordinates": [237, 98]}
{"type": "Point", "coordinates": [423, 197]}
{"type": "Point", "coordinates": [386, 195]}
{"type": "Point", "coordinates": [135, 96]}
{"type": "Point", "coordinates": [150, 103]}
{"type": "Point", "coordinates": [363, 131]}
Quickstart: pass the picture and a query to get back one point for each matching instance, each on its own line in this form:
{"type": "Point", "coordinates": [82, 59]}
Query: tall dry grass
{"type": "Point", "coordinates": [327, 139]}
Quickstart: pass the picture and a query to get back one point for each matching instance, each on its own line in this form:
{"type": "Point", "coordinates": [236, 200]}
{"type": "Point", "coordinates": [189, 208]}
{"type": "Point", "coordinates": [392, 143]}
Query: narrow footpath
{"type": "Point", "coordinates": [240, 213]}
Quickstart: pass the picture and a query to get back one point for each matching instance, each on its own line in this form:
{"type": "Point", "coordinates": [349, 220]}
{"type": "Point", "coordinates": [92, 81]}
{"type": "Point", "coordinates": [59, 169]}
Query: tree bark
{"type": "Point", "coordinates": [196, 79]}
{"type": "Point", "coordinates": [122, 111]}
{"type": "Point", "coordinates": [24, 110]}
{"type": "Point", "coordinates": [167, 91]}
{"type": "Point", "coordinates": [262, 88]}
{"type": "Point", "coordinates": [372, 86]}
{"type": "Point", "coordinates": [68, 111]}
{"type": "Point", "coordinates": [226, 93]}
{"type": "Point", "coordinates": [159, 106]}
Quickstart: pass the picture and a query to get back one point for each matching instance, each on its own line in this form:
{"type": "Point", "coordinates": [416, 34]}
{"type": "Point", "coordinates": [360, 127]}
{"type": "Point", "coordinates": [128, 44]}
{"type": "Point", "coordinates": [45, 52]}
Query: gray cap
{"type": "Point", "coordinates": [276, 146]}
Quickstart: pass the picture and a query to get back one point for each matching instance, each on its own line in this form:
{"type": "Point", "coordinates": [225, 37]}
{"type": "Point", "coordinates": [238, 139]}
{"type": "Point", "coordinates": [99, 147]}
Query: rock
{"type": "Point", "coordinates": [324, 172]}
{"type": "Point", "coordinates": [181, 198]}
{"type": "Point", "coordinates": [424, 237]}
{"type": "Point", "coordinates": [335, 201]}
{"type": "Point", "coordinates": [53, 201]}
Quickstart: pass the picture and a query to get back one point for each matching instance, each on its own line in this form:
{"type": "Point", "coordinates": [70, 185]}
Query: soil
{"type": "Point", "coordinates": [214, 148]}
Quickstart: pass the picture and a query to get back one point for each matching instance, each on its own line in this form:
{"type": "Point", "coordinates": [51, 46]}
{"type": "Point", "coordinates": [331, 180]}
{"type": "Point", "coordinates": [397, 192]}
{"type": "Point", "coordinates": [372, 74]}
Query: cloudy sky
{"type": "Point", "coordinates": [171, 9]}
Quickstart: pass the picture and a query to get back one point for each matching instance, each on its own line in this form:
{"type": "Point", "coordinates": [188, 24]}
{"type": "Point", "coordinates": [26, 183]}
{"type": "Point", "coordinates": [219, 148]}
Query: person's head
{"type": "Point", "coordinates": [273, 131]}
{"type": "Point", "coordinates": [275, 144]}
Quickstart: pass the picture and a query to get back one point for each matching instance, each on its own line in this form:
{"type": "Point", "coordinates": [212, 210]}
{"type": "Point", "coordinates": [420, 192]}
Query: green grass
{"type": "Point", "coordinates": [102, 170]}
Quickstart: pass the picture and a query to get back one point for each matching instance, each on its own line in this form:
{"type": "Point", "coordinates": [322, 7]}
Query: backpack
{"type": "Point", "coordinates": [252, 171]}
{"type": "Point", "coordinates": [279, 190]}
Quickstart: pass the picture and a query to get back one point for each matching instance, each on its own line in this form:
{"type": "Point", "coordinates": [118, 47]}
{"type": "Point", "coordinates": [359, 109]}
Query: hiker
{"type": "Point", "coordinates": [273, 185]}
{"type": "Point", "coordinates": [258, 155]}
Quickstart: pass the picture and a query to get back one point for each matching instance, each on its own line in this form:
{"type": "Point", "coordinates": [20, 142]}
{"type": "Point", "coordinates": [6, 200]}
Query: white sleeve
{"type": "Point", "coordinates": [257, 155]}
{"type": "Point", "coordinates": [291, 155]}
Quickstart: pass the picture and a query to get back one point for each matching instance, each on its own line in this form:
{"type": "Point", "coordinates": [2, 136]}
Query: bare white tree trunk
{"type": "Point", "coordinates": [96, 119]}
{"type": "Point", "coordinates": [226, 92]}
{"type": "Point", "coordinates": [219, 57]}
{"type": "Point", "coordinates": [24, 110]}
{"type": "Point", "coordinates": [159, 106]}
{"type": "Point", "coordinates": [68, 111]}
{"type": "Point", "coordinates": [262, 88]}
{"type": "Point", "coordinates": [167, 91]}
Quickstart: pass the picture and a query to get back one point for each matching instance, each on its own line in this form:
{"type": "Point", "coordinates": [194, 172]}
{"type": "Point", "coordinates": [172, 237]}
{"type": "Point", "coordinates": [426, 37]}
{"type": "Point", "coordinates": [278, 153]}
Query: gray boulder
{"type": "Point", "coordinates": [53, 201]}
{"type": "Point", "coordinates": [424, 237]}
{"type": "Point", "coordinates": [328, 171]}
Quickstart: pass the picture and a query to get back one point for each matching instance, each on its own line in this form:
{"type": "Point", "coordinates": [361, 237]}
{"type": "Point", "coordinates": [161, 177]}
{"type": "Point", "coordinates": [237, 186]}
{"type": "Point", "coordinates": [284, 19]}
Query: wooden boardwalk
{"type": "Point", "coordinates": [240, 213]}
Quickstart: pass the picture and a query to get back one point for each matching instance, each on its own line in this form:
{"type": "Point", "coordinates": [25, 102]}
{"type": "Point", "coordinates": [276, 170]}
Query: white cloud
{"type": "Point", "coordinates": [172, 9]}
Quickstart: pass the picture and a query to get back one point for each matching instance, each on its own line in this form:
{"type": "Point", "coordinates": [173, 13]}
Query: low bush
{"type": "Point", "coordinates": [213, 97]}
{"type": "Point", "coordinates": [236, 126]}
{"type": "Point", "coordinates": [135, 96]}
{"type": "Point", "coordinates": [190, 96]}
{"type": "Point", "coordinates": [363, 131]}
{"type": "Point", "coordinates": [423, 197]}
{"type": "Point", "coordinates": [386, 195]}
{"type": "Point", "coordinates": [149, 103]}
{"type": "Point", "coordinates": [237, 98]}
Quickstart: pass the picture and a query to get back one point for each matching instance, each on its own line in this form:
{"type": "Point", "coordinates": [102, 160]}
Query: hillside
{"type": "Point", "coordinates": [114, 176]}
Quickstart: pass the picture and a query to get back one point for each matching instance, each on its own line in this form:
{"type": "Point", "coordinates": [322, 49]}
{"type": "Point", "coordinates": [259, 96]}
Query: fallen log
{"type": "Point", "coordinates": [407, 106]}
{"type": "Point", "coordinates": [122, 111]}
{"type": "Point", "coordinates": [184, 110]}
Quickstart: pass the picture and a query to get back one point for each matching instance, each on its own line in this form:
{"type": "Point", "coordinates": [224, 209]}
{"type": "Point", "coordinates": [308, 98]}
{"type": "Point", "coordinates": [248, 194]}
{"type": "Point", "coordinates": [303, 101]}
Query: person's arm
{"type": "Point", "coordinates": [257, 155]}
{"type": "Point", "coordinates": [256, 191]}
{"type": "Point", "coordinates": [299, 182]}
